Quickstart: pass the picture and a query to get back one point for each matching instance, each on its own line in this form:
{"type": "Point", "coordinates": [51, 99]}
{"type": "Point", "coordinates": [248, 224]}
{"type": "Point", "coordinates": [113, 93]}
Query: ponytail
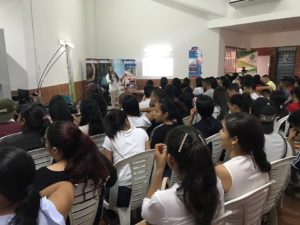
{"type": "Point", "coordinates": [84, 161]}
{"type": "Point", "coordinates": [198, 187]}
{"type": "Point", "coordinates": [27, 211]}
{"type": "Point", "coordinates": [114, 122]}
{"type": "Point", "coordinates": [250, 136]}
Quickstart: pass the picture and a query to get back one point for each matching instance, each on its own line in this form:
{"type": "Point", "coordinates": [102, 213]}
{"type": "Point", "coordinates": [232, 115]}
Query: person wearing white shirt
{"type": "Point", "coordinates": [145, 103]}
{"type": "Point", "coordinates": [122, 141]}
{"type": "Point", "coordinates": [187, 202]}
{"type": "Point", "coordinates": [243, 138]}
{"type": "Point", "coordinates": [113, 79]}
{"type": "Point", "coordinates": [20, 204]}
{"type": "Point", "coordinates": [130, 105]}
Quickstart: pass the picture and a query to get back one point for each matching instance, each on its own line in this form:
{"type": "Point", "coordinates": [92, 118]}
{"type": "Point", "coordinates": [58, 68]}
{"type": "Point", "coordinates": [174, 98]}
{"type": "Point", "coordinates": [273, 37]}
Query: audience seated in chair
{"type": "Point", "coordinates": [198, 196]}
{"type": "Point", "coordinates": [276, 147]}
{"type": "Point", "coordinates": [242, 136]}
{"type": "Point", "coordinates": [123, 141]}
{"type": "Point", "coordinates": [7, 124]}
{"type": "Point", "coordinates": [130, 105]}
{"type": "Point", "coordinates": [33, 123]}
{"type": "Point", "coordinates": [77, 159]}
{"type": "Point", "coordinates": [168, 115]}
{"type": "Point", "coordinates": [59, 110]}
{"type": "Point", "coordinates": [91, 121]}
{"type": "Point", "coordinates": [208, 125]}
{"type": "Point", "coordinates": [20, 204]}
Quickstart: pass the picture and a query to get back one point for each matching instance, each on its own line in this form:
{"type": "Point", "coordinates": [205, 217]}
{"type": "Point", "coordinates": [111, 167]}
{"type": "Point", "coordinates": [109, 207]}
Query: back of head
{"type": "Point", "coordinates": [84, 160]}
{"type": "Point", "coordinates": [17, 172]}
{"type": "Point", "coordinates": [114, 122]}
{"type": "Point", "coordinates": [249, 133]}
{"type": "Point", "coordinates": [170, 90]}
{"type": "Point", "coordinates": [296, 92]}
{"type": "Point", "coordinates": [214, 82]}
{"type": "Point", "coordinates": [265, 111]}
{"type": "Point", "coordinates": [91, 114]}
{"type": "Point", "coordinates": [249, 83]}
{"type": "Point", "coordinates": [242, 101]}
{"type": "Point", "coordinates": [176, 82]}
{"type": "Point", "coordinates": [294, 119]}
{"type": "Point", "coordinates": [195, 167]}
{"type": "Point", "coordinates": [207, 82]}
{"type": "Point", "coordinates": [167, 105]}
{"type": "Point", "coordinates": [58, 109]}
{"type": "Point", "coordinates": [130, 105]}
{"type": "Point", "coordinates": [34, 119]}
{"type": "Point", "coordinates": [163, 82]}
{"type": "Point", "coordinates": [101, 102]}
{"type": "Point", "coordinates": [234, 87]}
{"type": "Point", "coordinates": [198, 82]}
{"type": "Point", "coordinates": [149, 82]}
{"type": "Point", "coordinates": [220, 99]}
{"type": "Point", "coordinates": [205, 106]}
{"type": "Point", "coordinates": [148, 90]}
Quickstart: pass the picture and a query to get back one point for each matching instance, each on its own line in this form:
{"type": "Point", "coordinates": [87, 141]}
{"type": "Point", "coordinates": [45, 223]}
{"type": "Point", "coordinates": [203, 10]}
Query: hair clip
{"type": "Point", "coordinates": [202, 140]}
{"type": "Point", "coordinates": [183, 140]}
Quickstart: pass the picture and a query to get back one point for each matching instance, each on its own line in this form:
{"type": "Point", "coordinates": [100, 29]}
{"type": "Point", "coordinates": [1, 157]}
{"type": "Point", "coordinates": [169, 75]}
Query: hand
{"type": "Point", "coordinates": [193, 112]}
{"type": "Point", "coordinates": [292, 134]}
{"type": "Point", "coordinates": [161, 155]}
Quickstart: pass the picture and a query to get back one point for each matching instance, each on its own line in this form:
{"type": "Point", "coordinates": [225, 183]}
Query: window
{"type": "Point", "coordinates": [158, 61]}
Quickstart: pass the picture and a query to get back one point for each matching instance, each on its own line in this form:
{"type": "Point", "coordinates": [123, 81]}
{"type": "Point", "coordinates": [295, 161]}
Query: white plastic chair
{"type": "Point", "coordinates": [41, 157]}
{"type": "Point", "coordinates": [222, 219]}
{"type": "Point", "coordinates": [186, 120]}
{"type": "Point", "coordinates": [248, 207]}
{"type": "Point", "coordinates": [168, 181]}
{"type": "Point", "coordinates": [280, 174]}
{"type": "Point", "coordinates": [140, 166]}
{"type": "Point", "coordinates": [85, 205]}
{"type": "Point", "coordinates": [278, 123]}
{"type": "Point", "coordinates": [99, 139]}
{"type": "Point", "coordinates": [219, 221]}
{"type": "Point", "coordinates": [215, 140]}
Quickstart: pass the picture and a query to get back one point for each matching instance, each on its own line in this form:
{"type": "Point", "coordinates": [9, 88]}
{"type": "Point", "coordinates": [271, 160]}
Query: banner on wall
{"type": "Point", "coordinates": [97, 69]}
{"type": "Point", "coordinates": [246, 62]}
{"type": "Point", "coordinates": [195, 62]}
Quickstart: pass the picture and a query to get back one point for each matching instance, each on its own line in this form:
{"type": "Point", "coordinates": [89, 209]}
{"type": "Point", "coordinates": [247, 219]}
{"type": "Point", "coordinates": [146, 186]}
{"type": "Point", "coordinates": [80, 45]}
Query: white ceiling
{"type": "Point", "coordinates": [281, 25]}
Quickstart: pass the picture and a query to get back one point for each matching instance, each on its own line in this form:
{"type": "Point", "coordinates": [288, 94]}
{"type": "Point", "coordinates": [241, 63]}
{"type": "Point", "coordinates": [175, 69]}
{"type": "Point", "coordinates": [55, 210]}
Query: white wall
{"type": "Point", "coordinates": [278, 39]}
{"type": "Point", "coordinates": [11, 20]}
{"type": "Point", "coordinates": [54, 20]}
{"type": "Point", "coordinates": [124, 28]}
{"type": "Point", "coordinates": [4, 75]}
{"type": "Point", "coordinates": [232, 39]}
{"type": "Point", "coordinates": [272, 10]}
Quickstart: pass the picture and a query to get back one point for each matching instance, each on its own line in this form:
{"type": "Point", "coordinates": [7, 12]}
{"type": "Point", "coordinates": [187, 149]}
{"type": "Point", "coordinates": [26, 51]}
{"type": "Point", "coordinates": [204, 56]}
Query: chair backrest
{"type": "Point", "coordinates": [10, 135]}
{"type": "Point", "coordinates": [278, 123]}
{"type": "Point", "coordinates": [41, 157]}
{"type": "Point", "coordinates": [248, 207]}
{"type": "Point", "coordinates": [85, 205]}
{"type": "Point", "coordinates": [140, 165]}
{"type": "Point", "coordinates": [215, 140]}
{"type": "Point", "coordinates": [279, 173]}
{"type": "Point", "coordinates": [186, 120]}
{"type": "Point", "coordinates": [222, 219]}
{"type": "Point", "coordinates": [99, 139]}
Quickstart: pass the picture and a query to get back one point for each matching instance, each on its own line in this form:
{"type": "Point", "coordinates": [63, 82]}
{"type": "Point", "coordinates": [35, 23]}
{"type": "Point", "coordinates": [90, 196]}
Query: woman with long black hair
{"type": "Point", "coordinates": [243, 138]}
{"type": "Point", "coordinates": [20, 204]}
{"type": "Point", "coordinates": [197, 197]}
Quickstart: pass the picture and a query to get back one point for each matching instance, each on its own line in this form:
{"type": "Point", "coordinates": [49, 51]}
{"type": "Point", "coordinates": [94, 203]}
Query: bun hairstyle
{"type": "Point", "coordinates": [250, 136]}
{"type": "Point", "coordinates": [17, 172]}
{"type": "Point", "coordinates": [34, 116]}
{"type": "Point", "coordinates": [84, 161]}
{"type": "Point", "coordinates": [198, 187]}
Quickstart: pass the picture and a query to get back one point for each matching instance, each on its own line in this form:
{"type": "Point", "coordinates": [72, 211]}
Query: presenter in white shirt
{"type": "Point", "coordinates": [197, 197]}
{"type": "Point", "coordinates": [113, 79]}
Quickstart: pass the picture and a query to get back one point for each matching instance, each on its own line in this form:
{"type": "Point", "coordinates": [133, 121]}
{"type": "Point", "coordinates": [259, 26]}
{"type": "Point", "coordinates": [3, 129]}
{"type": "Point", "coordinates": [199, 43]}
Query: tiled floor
{"type": "Point", "coordinates": [290, 213]}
